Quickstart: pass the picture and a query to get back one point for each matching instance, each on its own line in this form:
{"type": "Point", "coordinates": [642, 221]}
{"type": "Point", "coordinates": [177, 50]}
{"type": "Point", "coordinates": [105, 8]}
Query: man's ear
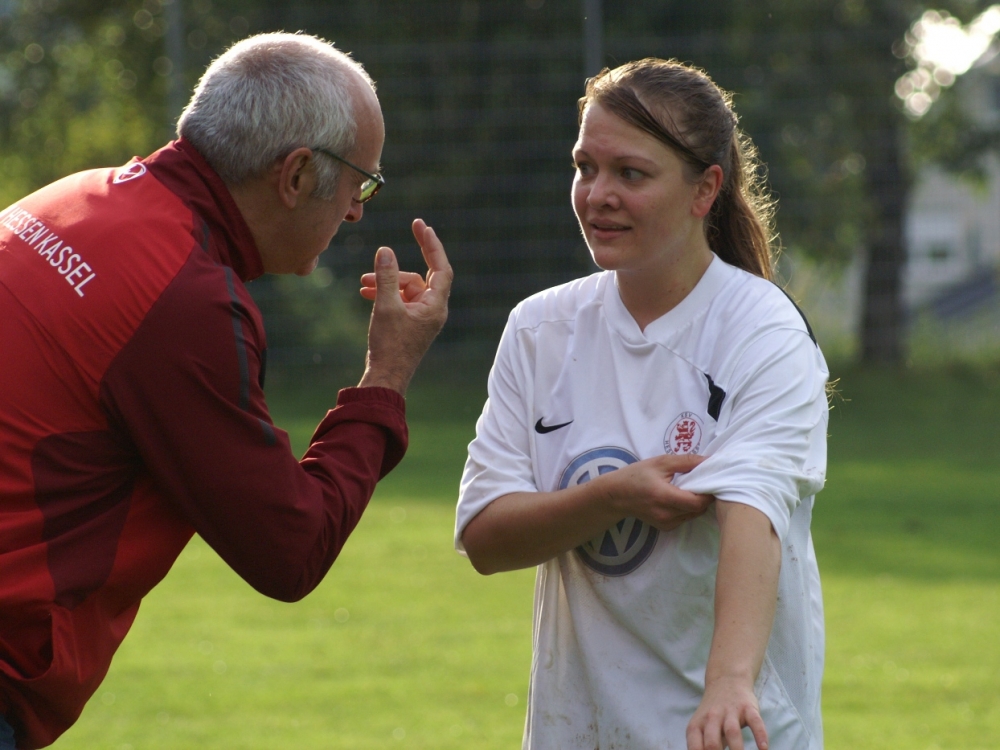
{"type": "Point", "coordinates": [706, 191]}
{"type": "Point", "coordinates": [296, 175]}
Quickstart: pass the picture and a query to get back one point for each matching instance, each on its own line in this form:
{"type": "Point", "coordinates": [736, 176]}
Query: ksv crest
{"type": "Point", "coordinates": [683, 435]}
{"type": "Point", "coordinates": [626, 545]}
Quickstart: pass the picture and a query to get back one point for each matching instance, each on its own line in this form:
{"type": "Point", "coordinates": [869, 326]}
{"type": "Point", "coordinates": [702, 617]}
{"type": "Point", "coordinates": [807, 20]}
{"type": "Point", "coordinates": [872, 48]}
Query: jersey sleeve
{"type": "Point", "coordinates": [499, 461]}
{"type": "Point", "coordinates": [186, 392]}
{"type": "Point", "coordinates": [769, 451]}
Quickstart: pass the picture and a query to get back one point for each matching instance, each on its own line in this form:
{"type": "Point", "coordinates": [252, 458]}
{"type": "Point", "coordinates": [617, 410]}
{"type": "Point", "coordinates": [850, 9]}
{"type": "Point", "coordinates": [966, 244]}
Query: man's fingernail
{"type": "Point", "coordinates": [382, 257]}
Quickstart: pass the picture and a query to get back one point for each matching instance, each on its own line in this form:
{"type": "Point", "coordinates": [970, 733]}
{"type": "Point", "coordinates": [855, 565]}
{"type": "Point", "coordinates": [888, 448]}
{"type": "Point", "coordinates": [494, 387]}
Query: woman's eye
{"type": "Point", "coordinates": [631, 174]}
{"type": "Point", "coordinates": [583, 168]}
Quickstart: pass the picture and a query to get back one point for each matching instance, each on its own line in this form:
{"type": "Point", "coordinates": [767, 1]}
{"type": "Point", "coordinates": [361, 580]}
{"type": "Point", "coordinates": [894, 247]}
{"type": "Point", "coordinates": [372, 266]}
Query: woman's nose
{"type": "Point", "coordinates": [602, 193]}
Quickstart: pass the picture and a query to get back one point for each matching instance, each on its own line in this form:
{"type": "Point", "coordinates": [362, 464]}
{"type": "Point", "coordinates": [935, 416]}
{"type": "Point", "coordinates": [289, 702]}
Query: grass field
{"type": "Point", "coordinates": [403, 645]}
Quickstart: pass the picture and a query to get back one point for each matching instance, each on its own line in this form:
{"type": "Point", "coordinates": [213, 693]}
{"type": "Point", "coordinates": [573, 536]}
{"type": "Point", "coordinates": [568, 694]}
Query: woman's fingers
{"type": "Point", "coordinates": [695, 736]}
{"type": "Point", "coordinates": [717, 731]}
{"type": "Point", "coordinates": [732, 733]}
{"type": "Point", "coordinates": [672, 464]}
{"type": "Point", "coordinates": [727, 706]}
{"type": "Point", "coordinates": [756, 724]}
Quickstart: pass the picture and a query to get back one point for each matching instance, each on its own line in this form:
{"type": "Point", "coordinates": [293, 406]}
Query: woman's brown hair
{"type": "Point", "coordinates": [683, 108]}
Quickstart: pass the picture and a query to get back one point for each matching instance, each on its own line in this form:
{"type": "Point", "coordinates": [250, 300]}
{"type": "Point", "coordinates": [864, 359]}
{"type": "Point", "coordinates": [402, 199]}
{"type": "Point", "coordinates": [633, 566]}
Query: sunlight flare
{"type": "Point", "coordinates": [943, 49]}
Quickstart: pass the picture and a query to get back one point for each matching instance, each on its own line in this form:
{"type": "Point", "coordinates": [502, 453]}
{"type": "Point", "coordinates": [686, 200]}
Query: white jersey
{"type": "Point", "coordinates": [623, 624]}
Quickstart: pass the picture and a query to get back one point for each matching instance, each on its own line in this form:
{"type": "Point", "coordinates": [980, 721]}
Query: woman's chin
{"type": "Point", "coordinates": [605, 258]}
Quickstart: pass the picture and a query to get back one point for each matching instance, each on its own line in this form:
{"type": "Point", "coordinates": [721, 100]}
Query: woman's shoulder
{"type": "Point", "coordinates": [759, 304]}
{"type": "Point", "coordinates": [562, 302]}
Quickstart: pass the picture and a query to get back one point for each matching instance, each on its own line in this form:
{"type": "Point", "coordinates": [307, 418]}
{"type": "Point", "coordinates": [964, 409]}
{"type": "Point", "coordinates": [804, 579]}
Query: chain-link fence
{"type": "Point", "coordinates": [480, 108]}
{"type": "Point", "coordinates": [478, 140]}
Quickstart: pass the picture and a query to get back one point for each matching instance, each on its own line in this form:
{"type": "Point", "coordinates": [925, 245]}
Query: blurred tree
{"type": "Point", "coordinates": [841, 144]}
{"type": "Point", "coordinates": [870, 153]}
{"type": "Point", "coordinates": [479, 98]}
{"type": "Point", "coordinates": [954, 136]}
{"type": "Point", "coordinates": [79, 87]}
{"type": "Point", "coordinates": [86, 84]}
{"type": "Point", "coordinates": [815, 87]}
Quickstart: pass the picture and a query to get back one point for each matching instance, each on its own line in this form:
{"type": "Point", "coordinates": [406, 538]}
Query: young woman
{"type": "Point", "coordinates": [653, 439]}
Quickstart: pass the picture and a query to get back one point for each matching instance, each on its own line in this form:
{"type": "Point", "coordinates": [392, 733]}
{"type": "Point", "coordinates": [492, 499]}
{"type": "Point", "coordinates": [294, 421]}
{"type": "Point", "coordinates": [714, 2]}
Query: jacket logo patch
{"type": "Point", "coordinates": [683, 436]}
{"type": "Point", "coordinates": [130, 172]}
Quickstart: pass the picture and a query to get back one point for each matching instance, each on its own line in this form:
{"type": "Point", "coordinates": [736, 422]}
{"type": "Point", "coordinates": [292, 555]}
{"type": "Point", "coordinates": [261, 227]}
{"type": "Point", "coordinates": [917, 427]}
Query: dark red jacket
{"type": "Point", "coordinates": [132, 415]}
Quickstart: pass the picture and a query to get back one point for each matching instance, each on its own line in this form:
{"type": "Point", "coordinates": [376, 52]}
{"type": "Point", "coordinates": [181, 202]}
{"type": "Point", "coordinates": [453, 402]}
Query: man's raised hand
{"type": "Point", "coordinates": [409, 311]}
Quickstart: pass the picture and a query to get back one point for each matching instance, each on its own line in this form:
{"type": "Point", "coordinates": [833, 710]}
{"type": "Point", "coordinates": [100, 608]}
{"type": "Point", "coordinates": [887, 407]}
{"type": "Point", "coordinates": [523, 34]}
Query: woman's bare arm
{"type": "Point", "coordinates": [524, 529]}
{"type": "Point", "coordinates": [746, 593]}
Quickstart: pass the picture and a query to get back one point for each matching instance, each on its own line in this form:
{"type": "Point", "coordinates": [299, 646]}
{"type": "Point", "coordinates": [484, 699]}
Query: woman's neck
{"type": "Point", "coordinates": [650, 293]}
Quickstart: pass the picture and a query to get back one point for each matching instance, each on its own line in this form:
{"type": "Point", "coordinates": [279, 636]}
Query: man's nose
{"type": "Point", "coordinates": [355, 212]}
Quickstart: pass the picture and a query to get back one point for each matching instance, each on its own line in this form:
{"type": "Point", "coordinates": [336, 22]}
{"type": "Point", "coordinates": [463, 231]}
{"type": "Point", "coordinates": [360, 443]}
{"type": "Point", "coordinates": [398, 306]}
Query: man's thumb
{"type": "Point", "coordinates": [386, 274]}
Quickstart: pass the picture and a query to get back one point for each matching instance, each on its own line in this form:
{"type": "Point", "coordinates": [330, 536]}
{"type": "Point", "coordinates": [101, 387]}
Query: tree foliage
{"type": "Point", "coordinates": [952, 137]}
{"type": "Point", "coordinates": [479, 106]}
{"type": "Point", "coordinates": [78, 89]}
{"type": "Point", "coordinates": [86, 84]}
{"type": "Point", "coordinates": [815, 83]}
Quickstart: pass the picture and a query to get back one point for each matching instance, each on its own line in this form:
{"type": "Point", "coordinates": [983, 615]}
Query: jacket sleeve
{"type": "Point", "coordinates": [187, 392]}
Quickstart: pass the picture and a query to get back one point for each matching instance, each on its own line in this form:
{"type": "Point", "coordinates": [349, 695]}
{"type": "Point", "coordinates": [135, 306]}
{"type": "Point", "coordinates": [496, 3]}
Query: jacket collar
{"type": "Point", "coordinates": [180, 167]}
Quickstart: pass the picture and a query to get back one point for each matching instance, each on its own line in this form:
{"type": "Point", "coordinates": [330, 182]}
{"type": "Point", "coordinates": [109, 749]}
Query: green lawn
{"type": "Point", "coordinates": [906, 534]}
{"type": "Point", "coordinates": [405, 646]}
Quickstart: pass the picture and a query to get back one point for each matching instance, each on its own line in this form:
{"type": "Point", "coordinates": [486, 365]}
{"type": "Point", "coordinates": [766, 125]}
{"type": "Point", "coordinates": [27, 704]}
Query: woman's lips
{"type": "Point", "coordinates": [607, 231]}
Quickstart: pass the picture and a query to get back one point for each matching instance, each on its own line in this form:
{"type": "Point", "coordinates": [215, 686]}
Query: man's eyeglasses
{"type": "Point", "coordinates": [369, 187]}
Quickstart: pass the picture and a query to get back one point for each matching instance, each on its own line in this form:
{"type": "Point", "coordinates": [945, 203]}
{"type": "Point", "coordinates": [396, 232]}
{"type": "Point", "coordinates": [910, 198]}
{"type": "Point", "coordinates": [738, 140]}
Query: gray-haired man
{"type": "Point", "coordinates": [132, 413]}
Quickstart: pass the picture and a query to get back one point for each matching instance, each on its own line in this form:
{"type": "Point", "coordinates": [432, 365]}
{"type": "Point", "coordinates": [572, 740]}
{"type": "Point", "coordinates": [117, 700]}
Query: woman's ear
{"type": "Point", "coordinates": [706, 190]}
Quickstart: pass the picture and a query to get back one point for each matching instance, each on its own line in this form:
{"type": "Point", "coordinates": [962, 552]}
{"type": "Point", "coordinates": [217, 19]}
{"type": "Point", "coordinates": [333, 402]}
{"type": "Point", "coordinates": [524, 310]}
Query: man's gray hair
{"type": "Point", "coordinates": [268, 95]}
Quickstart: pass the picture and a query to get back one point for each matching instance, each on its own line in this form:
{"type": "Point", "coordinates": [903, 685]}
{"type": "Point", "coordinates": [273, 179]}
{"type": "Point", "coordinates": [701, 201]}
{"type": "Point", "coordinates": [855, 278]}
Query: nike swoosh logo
{"type": "Point", "coordinates": [542, 429]}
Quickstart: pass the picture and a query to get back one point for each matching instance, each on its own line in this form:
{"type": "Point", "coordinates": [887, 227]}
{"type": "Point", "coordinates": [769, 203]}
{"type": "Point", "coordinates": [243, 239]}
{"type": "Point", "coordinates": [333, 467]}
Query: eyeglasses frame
{"type": "Point", "coordinates": [373, 179]}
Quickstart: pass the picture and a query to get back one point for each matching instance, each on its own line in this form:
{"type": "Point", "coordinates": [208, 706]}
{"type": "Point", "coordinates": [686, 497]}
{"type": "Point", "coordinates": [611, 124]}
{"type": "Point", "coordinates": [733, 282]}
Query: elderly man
{"type": "Point", "coordinates": [131, 406]}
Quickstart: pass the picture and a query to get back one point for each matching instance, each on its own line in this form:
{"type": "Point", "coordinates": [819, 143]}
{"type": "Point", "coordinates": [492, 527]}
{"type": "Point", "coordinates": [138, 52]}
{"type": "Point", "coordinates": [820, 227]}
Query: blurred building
{"type": "Point", "coordinates": [953, 223]}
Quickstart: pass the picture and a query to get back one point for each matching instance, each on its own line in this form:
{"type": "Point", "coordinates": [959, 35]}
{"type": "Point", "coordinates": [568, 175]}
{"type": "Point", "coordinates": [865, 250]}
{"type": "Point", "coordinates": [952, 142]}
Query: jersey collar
{"type": "Point", "coordinates": [680, 317]}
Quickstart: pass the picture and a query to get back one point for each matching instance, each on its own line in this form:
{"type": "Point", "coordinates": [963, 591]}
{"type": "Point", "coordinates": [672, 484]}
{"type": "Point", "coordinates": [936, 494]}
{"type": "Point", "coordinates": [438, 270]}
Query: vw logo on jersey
{"type": "Point", "coordinates": [626, 545]}
{"type": "Point", "coordinates": [130, 172]}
